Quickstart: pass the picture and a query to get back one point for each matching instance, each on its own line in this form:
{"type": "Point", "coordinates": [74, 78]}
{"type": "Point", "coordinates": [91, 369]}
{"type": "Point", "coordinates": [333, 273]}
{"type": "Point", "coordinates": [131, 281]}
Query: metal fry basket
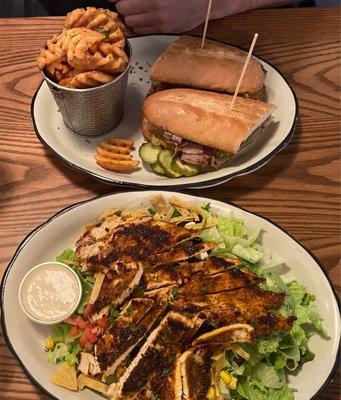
{"type": "Point", "coordinates": [94, 111]}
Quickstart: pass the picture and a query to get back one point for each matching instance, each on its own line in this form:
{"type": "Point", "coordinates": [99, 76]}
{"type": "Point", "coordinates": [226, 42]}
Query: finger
{"type": "Point", "coordinates": [139, 20]}
{"type": "Point", "coordinates": [132, 7]}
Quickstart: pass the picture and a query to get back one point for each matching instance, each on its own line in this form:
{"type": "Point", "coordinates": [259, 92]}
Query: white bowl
{"type": "Point", "coordinates": [21, 294]}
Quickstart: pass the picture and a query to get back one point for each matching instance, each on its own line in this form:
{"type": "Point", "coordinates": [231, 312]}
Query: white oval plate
{"type": "Point", "coordinates": [77, 151]}
{"type": "Point", "coordinates": [62, 231]}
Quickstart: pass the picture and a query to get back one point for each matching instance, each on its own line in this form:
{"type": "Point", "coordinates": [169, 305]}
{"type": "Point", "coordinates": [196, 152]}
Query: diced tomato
{"type": "Point", "coordinates": [88, 337]}
{"type": "Point", "coordinates": [84, 343]}
{"type": "Point", "coordinates": [81, 323]}
{"type": "Point", "coordinates": [102, 322]}
{"type": "Point", "coordinates": [74, 330]}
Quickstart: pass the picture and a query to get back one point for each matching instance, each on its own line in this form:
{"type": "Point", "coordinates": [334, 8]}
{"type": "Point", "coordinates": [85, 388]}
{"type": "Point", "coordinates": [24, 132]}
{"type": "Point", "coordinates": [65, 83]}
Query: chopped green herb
{"type": "Point", "coordinates": [170, 359]}
{"type": "Point", "coordinates": [151, 211]}
{"type": "Point", "coordinates": [204, 289]}
{"type": "Point", "coordinates": [129, 310]}
{"type": "Point", "coordinates": [212, 325]}
{"type": "Point", "coordinates": [166, 372]}
{"type": "Point", "coordinates": [139, 384]}
{"type": "Point", "coordinates": [103, 31]}
{"type": "Point", "coordinates": [111, 379]}
{"type": "Point", "coordinates": [133, 328]}
{"type": "Point", "coordinates": [155, 397]}
{"type": "Point", "coordinates": [174, 293]}
{"type": "Point", "coordinates": [127, 361]}
{"type": "Point", "coordinates": [113, 315]}
{"type": "Point", "coordinates": [139, 291]}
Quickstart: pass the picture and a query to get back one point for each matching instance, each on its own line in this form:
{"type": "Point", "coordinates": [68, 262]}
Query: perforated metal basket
{"type": "Point", "coordinates": [94, 111]}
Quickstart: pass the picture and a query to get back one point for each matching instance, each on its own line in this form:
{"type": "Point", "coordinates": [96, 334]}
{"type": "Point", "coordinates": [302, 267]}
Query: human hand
{"type": "Point", "coordinates": [162, 16]}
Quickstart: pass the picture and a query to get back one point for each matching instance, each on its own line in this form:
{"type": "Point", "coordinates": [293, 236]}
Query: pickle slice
{"type": "Point", "coordinates": [149, 153]}
{"type": "Point", "coordinates": [185, 169]}
{"type": "Point", "coordinates": [166, 161]}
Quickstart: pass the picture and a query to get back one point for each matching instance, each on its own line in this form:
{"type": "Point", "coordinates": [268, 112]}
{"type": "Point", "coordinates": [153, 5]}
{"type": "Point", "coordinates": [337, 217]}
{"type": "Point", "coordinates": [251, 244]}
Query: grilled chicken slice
{"type": "Point", "coordinates": [181, 253]}
{"type": "Point", "coordinates": [232, 279]}
{"type": "Point", "coordinates": [117, 286]}
{"type": "Point", "coordinates": [134, 242]}
{"type": "Point", "coordinates": [214, 265]}
{"type": "Point", "coordinates": [195, 368]}
{"type": "Point", "coordinates": [221, 337]}
{"type": "Point", "coordinates": [97, 241]}
{"type": "Point", "coordinates": [167, 388]}
{"type": "Point", "coordinates": [99, 230]}
{"type": "Point", "coordinates": [129, 329]}
{"type": "Point", "coordinates": [156, 356]}
{"type": "Point", "coordinates": [249, 305]}
{"type": "Point", "coordinates": [196, 363]}
{"type": "Point", "coordinates": [155, 278]}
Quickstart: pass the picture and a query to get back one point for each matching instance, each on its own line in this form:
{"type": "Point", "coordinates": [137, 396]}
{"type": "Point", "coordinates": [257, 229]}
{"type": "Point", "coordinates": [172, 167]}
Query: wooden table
{"type": "Point", "coordinates": [299, 188]}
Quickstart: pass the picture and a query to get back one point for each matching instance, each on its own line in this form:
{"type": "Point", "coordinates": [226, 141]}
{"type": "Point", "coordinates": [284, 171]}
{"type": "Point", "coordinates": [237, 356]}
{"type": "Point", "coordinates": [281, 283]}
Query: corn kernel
{"type": "Point", "coordinates": [49, 344]}
{"type": "Point", "coordinates": [233, 384]}
{"type": "Point", "coordinates": [225, 377]}
{"type": "Point", "coordinates": [211, 393]}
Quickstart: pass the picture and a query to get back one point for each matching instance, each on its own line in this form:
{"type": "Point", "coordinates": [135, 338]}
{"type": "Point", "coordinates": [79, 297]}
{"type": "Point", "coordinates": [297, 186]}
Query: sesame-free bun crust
{"type": "Point", "coordinates": [203, 117]}
{"type": "Point", "coordinates": [216, 67]}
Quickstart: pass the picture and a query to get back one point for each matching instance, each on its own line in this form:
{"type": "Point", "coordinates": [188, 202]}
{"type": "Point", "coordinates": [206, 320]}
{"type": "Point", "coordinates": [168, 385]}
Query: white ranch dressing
{"type": "Point", "coordinates": [50, 292]}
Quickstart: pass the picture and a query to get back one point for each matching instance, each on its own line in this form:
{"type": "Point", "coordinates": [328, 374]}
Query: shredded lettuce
{"type": "Point", "coordinates": [66, 347]}
{"type": "Point", "coordinates": [273, 356]}
{"type": "Point", "coordinates": [68, 257]}
{"type": "Point", "coordinates": [230, 234]}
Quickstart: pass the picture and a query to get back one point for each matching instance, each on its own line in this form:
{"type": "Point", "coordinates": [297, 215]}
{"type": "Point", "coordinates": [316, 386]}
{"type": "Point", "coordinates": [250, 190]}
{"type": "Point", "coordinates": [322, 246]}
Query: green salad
{"type": "Point", "coordinates": [261, 372]}
{"type": "Point", "coordinates": [274, 356]}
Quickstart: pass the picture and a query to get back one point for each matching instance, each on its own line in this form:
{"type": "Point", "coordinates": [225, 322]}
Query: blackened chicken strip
{"type": "Point", "coordinates": [136, 242]}
{"type": "Point", "coordinates": [99, 230]}
{"type": "Point", "coordinates": [214, 265]}
{"type": "Point", "coordinates": [98, 237]}
{"type": "Point", "coordinates": [178, 254]}
{"type": "Point", "coordinates": [127, 332]}
{"type": "Point", "coordinates": [117, 286]}
{"type": "Point", "coordinates": [195, 363]}
{"type": "Point", "coordinates": [180, 275]}
{"type": "Point", "coordinates": [232, 279]}
{"type": "Point", "coordinates": [249, 305]}
{"type": "Point", "coordinates": [222, 337]}
{"type": "Point", "coordinates": [195, 368]}
{"type": "Point", "coordinates": [156, 357]}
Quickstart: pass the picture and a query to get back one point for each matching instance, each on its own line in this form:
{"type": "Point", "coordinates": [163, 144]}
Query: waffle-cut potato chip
{"type": "Point", "coordinates": [98, 19]}
{"type": "Point", "coordinates": [86, 80]}
{"type": "Point", "coordinates": [109, 154]}
{"type": "Point", "coordinates": [86, 50]}
{"type": "Point", "coordinates": [115, 155]}
{"type": "Point", "coordinates": [65, 376]}
{"type": "Point", "coordinates": [59, 70]}
{"type": "Point", "coordinates": [121, 142]}
{"type": "Point", "coordinates": [51, 53]}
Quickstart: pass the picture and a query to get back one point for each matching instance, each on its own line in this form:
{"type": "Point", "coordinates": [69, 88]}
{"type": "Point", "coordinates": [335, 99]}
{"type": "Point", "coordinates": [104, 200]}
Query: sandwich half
{"type": "Point", "coordinates": [191, 131]}
{"type": "Point", "coordinates": [216, 67]}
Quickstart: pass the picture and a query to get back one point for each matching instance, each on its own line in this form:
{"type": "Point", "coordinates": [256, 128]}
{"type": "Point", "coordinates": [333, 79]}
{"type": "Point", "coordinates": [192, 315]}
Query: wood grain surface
{"type": "Point", "coordinates": [299, 189]}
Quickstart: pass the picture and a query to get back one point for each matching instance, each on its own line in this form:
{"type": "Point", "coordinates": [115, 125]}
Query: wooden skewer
{"type": "Point", "coordinates": [206, 22]}
{"type": "Point", "coordinates": [247, 61]}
